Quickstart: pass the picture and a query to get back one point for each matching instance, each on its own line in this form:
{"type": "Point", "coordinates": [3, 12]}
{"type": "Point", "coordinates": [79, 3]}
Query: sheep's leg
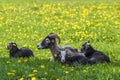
{"type": "Point", "coordinates": [52, 58]}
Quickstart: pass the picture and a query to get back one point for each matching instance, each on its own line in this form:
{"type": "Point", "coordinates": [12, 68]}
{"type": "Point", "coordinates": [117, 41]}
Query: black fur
{"type": "Point", "coordinates": [75, 60]}
{"type": "Point", "coordinates": [94, 55]}
{"type": "Point", "coordinates": [15, 52]}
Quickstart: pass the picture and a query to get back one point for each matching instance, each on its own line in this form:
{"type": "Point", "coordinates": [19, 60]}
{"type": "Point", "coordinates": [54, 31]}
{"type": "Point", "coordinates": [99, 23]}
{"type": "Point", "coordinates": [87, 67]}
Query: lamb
{"type": "Point", "coordinates": [94, 55]}
{"type": "Point", "coordinates": [15, 52]}
{"type": "Point", "coordinates": [64, 58]}
{"type": "Point", "coordinates": [49, 42]}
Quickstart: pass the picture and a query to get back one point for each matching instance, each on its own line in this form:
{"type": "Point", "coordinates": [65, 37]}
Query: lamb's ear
{"type": "Point", "coordinates": [88, 42]}
{"type": "Point", "coordinates": [14, 44]}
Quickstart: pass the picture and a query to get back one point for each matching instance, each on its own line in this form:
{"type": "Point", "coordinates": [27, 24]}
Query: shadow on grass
{"type": "Point", "coordinates": [115, 63]}
{"type": "Point", "coordinates": [27, 63]}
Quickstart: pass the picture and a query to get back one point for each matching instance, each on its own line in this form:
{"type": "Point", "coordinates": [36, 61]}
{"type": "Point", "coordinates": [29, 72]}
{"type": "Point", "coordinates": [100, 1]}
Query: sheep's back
{"type": "Point", "coordinates": [78, 60]}
{"type": "Point", "coordinates": [99, 57]}
{"type": "Point", "coordinates": [26, 52]}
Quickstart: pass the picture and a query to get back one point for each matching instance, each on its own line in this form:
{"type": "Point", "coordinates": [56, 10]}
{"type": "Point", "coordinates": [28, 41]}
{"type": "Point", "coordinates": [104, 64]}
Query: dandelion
{"type": "Point", "coordinates": [55, 55]}
{"type": "Point", "coordinates": [35, 71]}
{"type": "Point", "coordinates": [66, 72]}
{"type": "Point", "coordinates": [63, 66]}
{"type": "Point", "coordinates": [33, 78]}
{"type": "Point", "coordinates": [85, 70]}
{"type": "Point", "coordinates": [46, 73]}
{"type": "Point", "coordinates": [8, 62]}
{"type": "Point", "coordinates": [10, 73]}
{"type": "Point", "coordinates": [19, 61]}
{"type": "Point", "coordinates": [42, 66]}
{"type": "Point", "coordinates": [25, 60]}
{"type": "Point", "coordinates": [21, 78]}
{"type": "Point", "coordinates": [72, 68]}
{"type": "Point", "coordinates": [31, 75]}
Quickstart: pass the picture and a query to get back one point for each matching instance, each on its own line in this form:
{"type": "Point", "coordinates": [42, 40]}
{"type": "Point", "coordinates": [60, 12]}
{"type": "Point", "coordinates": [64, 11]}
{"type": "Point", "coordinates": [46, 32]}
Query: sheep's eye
{"type": "Point", "coordinates": [47, 40]}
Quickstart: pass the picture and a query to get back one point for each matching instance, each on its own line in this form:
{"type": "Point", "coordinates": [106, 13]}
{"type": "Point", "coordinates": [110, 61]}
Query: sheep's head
{"type": "Point", "coordinates": [85, 47]}
{"type": "Point", "coordinates": [66, 53]}
{"type": "Point", "coordinates": [48, 41]}
{"type": "Point", "coordinates": [62, 56]}
{"type": "Point", "coordinates": [11, 45]}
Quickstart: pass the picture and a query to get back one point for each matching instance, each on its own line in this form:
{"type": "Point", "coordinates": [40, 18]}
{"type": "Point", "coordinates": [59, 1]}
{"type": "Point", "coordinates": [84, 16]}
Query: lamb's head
{"type": "Point", "coordinates": [62, 56]}
{"type": "Point", "coordinates": [11, 45]}
{"type": "Point", "coordinates": [48, 41]}
{"type": "Point", "coordinates": [85, 47]}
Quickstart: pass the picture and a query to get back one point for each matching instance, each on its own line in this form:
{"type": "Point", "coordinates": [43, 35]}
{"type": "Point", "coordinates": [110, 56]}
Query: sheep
{"type": "Point", "coordinates": [49, 42]}
{"type": "Point", "coordinates": [16, 52]}
{"type": "Point", "coordinates": [64, 58]}
{"type": "Point", "coordinates": [94, 55]}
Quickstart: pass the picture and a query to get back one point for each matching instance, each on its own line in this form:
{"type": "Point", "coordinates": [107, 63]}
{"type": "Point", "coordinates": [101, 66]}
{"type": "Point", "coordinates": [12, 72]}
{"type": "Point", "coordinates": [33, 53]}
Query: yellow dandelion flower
{"type": "Point", "coordinates": [72, 68]}
{"type": "Point", "coordinates": [66, 72]}
{"type": "Point", "coordinates": [42, 66]}
{"type": "Point", "coordinates": [10, 73]}
{"type": "Point", "coordinates": [88, 23]}
{"type": "Point", "coordinates": [46, 73]}
{"type": "Point", "coordinates": [35, 70]}
{"type": "Point", "coordinates": [63, 66]}
{"type": "Point", "coordinates": [85, 70]}
{"type": "Point", "coordinates": [8, 62]}
{"type": "Point", "coordinates": [55, 55]}
{"type": "Point", "coordinates": [57, 79]}
{"type": "Point", "coordinates": [33, 78]}
{"type": "Point", "coordinates": [21, 78]}
{"type": "Point", "coordinates": [26, 60]}
{"type": "Point", "coordinates": [19, 61]}
{"type": "Point", "coordinates": [31, 75]}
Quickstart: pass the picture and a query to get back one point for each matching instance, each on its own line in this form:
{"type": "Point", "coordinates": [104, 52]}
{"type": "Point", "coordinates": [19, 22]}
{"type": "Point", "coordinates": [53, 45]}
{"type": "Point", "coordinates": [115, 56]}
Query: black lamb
{"type": "Point", "coordinates": [74, 60]}
{"type": "Point", "coordinates": [16, 52]}
{"type": "Point", "coordinates": [94, 55]}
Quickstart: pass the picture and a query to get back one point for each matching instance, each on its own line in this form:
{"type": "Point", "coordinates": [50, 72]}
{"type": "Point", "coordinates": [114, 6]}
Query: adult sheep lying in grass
{"type": "Point", "coordinates": [16, 52]}
{"type": "Point", "coordinates": [94, 55]}
{"type": "Point", "coordinates": [49, 42]}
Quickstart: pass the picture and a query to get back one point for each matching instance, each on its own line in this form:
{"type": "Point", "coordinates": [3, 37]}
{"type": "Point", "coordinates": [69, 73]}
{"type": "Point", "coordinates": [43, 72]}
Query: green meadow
{"type": "Point", "coordinates": [27, 22]}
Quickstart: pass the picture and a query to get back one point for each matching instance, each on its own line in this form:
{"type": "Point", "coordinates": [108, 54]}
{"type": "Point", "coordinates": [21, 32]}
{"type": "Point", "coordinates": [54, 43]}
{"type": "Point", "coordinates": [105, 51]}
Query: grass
{"type": "Point", "coordinates": [28, 22]}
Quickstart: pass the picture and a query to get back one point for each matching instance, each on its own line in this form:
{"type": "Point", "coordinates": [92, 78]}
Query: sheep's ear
{"type": "Point", "coordinates": [88, 41]}
{"type": "Point", "coordinates": [14, 44]}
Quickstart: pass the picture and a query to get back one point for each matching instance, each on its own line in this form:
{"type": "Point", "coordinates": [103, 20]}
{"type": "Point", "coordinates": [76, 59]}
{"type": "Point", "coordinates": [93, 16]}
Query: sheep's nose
{"type": "Point", "coordinates": [37, 46]}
